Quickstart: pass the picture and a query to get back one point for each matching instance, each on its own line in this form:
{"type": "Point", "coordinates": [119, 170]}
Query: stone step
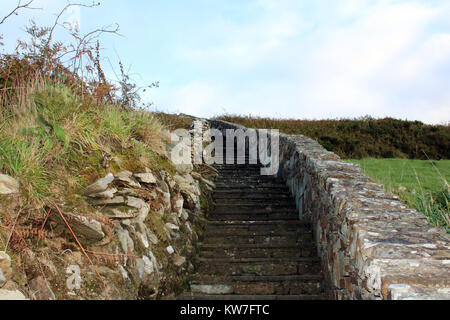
{"type": "Point", "coordinates": [248, 186]}
{"type": "Point", "coordinates": [254, 210]}
{"type": "Point", "coordinates": [266, 226]}
{"type": "Point", "coordinates": [250, 297]}
{"type": "Point", "coordinates": [257, 285]}
{"type": "Point", "coordinates": [301, 233]}
{"type": "Point", "coordinates": [274, 202]}
{"type": "Point", "coordinates": [257, 193]}
{"type": "Point", "coordinates": [257, 251]}
{"type": "Point", "coordinates": [285, 238]}
{"type": "Point", "coordinates": [250, 196]}
{"type": "Point", "coordinates": [254, 217]}
{"type": "Point", "coordinates": [236, 179]}
{"type": "Point", "coordinates": [225, 166]}
{"type": "Point", "coordinates": [258, 266]}
{"type": "Point", "coordinates": [271, 204]}
{"type": "Point", "coordinates": [232, 169]}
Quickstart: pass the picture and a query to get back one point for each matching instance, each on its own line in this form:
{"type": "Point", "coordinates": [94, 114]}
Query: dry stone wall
{"type": "Point", "coordinates": [372, 246]}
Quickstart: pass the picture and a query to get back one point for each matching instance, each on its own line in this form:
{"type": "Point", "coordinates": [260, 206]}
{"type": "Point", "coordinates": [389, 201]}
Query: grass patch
{"type": "Point", "coordinates": [422, 184]}
{"type": "Point", "coordinates": [59, 142]}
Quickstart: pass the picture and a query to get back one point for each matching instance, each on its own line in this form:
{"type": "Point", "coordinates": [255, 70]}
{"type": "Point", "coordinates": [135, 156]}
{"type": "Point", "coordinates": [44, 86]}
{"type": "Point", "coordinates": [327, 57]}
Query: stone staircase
{"type": "Point", "coordinates": [254, 247]}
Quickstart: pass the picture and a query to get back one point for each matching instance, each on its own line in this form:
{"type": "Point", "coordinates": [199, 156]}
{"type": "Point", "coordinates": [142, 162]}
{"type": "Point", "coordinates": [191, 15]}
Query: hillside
{"type": "Point", "coordinates": [361, 138]}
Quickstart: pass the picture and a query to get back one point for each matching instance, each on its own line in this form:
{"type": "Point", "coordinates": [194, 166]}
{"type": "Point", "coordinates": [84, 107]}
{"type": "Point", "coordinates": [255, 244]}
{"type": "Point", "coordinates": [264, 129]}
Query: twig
{"type": "Point", "coordinates": [12, 230]}
{"type": "Point", "coordinates": [17, 8]}
{"type": "Point", "coordinates": [79, 244]}
{"type": "Point", "coordinates": [46, 217]}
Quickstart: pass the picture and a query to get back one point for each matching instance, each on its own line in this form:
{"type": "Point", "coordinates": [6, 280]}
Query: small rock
{"type": "Point", "coordinates": [146, 177]}
{"type": "Point", "coordinates": [100, 185]}
{"type": "Point", "coordinates": [8, 185]}
{"type": "Point", "coordinates": [177, 204]}
{"type": "Point", "coordinates": [142, 237]}
{"type": "Point", "coordinates": [89, 229]}
{"type": "Point", "coordinates": [5, 268]}
{"type": "Point", "coordinates": [143, 213]}
{"type": "Point", "coordinates": [107, 194]}
{"type": "Point", "coordinates": [124, 273]}
{"type": "Point", "coordinates": [125, 240]}
{"type": "Point", "coordinates": [114, 201]}
{"type": "Point", "coordinates": [128, 192]}
{"type": "Point", "coordinates": [173, 218]}
{"type": "Point", "coordinates": [125, 176]}
{"type": "Point", "coordinates": [191, 201]}
{"type": "Point", "coordinates": [115, 213]}
{"type": "Point", "coordinates": [148, 265]}
{"type": "Point", "coordinates": [178, 260]}
{"type": "Point", "coordinates": [154, 261]}
{"type": "Point", "coordinates": [11, 295]}
{"type": "Point", "coordinates": [135, 202]}
{"type": "Point", "coordinates": [170, 250]}
{"type": "Point", "coordinates": [184, 168]}
{"type": "Point", "coordinates": [152, 237]}
{"type": "Point", "coordinates": [184, 214]}
{"type": "Point", "coordinates": [171, 226]}
{"type": "Point", "coordinates": [189, 228]}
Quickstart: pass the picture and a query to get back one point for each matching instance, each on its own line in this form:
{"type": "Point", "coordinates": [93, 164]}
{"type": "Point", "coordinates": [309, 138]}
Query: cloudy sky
{"type": "Point", "coordinates": [310, 59]}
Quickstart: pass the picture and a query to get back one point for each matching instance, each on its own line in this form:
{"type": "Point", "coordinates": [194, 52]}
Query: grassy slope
{"type": "Point", "coordinates": [420, 183]}
{"type": "Point", "coordinates": [360, 138]}
{"type": "Point", "coordinates": [56, 144]}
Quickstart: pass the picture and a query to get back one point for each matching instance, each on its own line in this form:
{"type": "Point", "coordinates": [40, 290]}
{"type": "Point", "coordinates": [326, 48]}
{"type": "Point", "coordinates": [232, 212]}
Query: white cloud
{"type": "Point", "coordinates": [360, 57]}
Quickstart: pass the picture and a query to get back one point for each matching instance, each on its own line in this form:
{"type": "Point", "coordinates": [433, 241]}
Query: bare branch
{"type": "Point", "coordinates": [52, 29]}
{"type": "Point", "coordinates": [19, 7]}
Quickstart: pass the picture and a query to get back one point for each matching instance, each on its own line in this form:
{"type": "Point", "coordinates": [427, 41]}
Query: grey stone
{"type": "Point", "coordinates": [152, 237]}
{"type": "Point", "coordinates": [107, 194]}
{"type": "Point", "coordinates": [170, 250]}
{"type": "Point", "coordinates": [8, 185]}
{"type": "Point", "coordinates": [116, 213]}
{"type": "Point", "coordinates": [146, 177]}
{"type": "Point", "coordinates": [211, 289]}
{"type": "Point", "coordinates": [135, 202]}
{"type": "Point", "coordinates": [11, 295]}
{"type": "Point", "coordinates": [178, 260]}
{"type": "Point", "coordinates": [89, 229]}
{"type": "Point", "coordinates": [125, 240]}
{"type": "Point", "coordinates": [126, 177]}
{"type": "Point", "coordinates": [105, 202]}
{"type": "Point", "coordinates": [184, 168]}
{"type": "Point", "coordinates": [100, 185]}
{"type": "Point", "coordinates": [5, 268]}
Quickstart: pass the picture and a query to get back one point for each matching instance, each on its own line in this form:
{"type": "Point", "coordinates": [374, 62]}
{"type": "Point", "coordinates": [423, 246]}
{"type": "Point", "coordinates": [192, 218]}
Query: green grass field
{"type": "Point", "coordinates": [422, 184]}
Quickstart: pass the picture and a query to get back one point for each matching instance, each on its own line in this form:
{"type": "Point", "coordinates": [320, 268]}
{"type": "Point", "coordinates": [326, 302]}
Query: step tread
{"type": "Point", "coordinates": [248, 246]}
{"type": "Point", "coordinates": [228, 279]}
{"type": "Point", "coordinates": [268, 222]}
{"type": "Point", "coordinates": [259, 260]}
{"type": "Point", "coordinates": [252, 233]}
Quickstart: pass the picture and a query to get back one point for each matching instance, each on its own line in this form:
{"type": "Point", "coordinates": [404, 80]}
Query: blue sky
{"type": "Point", "coordinates": [280, 58]}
